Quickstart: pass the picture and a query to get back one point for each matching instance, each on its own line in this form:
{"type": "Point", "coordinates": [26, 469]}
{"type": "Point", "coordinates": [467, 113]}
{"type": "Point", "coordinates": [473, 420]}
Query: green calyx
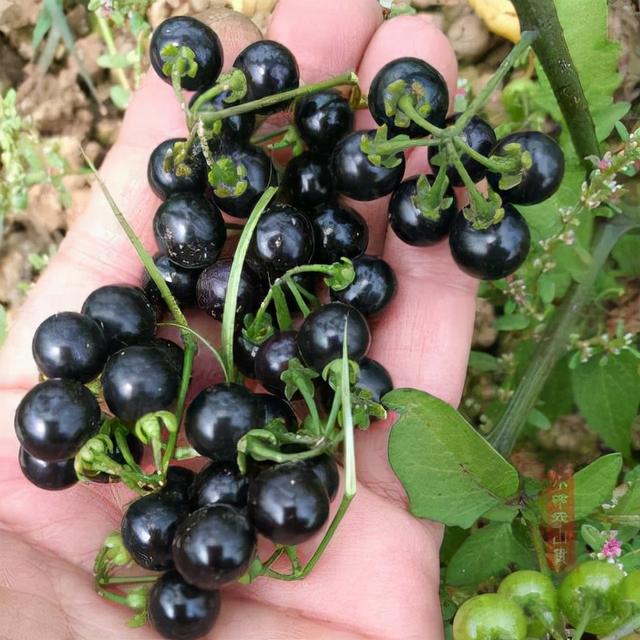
{"type": "Point", "coordinates": [482, 212]}
{"type": "Point", "coordinates": [227, 178]}
{"type": "Point", "coordinates": [397, 90]}
{"type": "Point", "coordinates": [431, 199]}
{"type": "Point", "coordinates": [512, 165]}
{"type": "Point", "coordinates": [291, 139]}
{"type": "Point", "coordinates": [371, 147]}
{"type": "Point", "coordinates": [178, 60]}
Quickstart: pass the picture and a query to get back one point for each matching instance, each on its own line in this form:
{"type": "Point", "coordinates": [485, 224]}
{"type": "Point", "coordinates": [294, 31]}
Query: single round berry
{"type": "Point", "coordinates": [123, 313]}
{"type": "Point", "coordinates": [166, 182]}
{"type": "Point", "coordinates": [220, 483]}
{"type": "Point", "coordinates": [238, 128]}
{"type": "Point", "coordinates": [276, 408]}
{"type": "Point", "coordinates": [322, 119]}
{"type": "Point", "coordinates": [179, 483]}
{"type": "Point", "coordinates": [244, 355]}
{"type": "Point", "coordinates": [270, 68]}
{"type": "Point", "coordinates": [218, 417]}
{"type": "Point", "coordinates": [52, 476]}
{"type": "Point", "coordinates": [190, 230]}
{"type": "Point", "coordinates": [489, 616]}
{"type": "Point", "coordinates": [325, 469]}
{"type": "Point", "coordinates": [148, 528]}
{"type": "Point", "coordinates": [416, 79]}
{"type": "Point", "coordinates": [287, 503]}
{"type": "Point", "coordinates": [373, 287]}
{"type": "Point", "coordinates": [410, 224]}
{"type": "Point", "coordinates": [136, 448]}
{"type": "Point", "coordinates": [373, 377]}
{"type": "Point", "coordinates": [494, 252]}
{"type": "Point", "coordinates": [138, 380]}
{"type": "Point", "coordinates": [283, 239]}
{"type": "Point", "coordinates": [339, 232]}
{"type": "Point", "coordinates": [481, 137]}
{"type": "Point", "coordinates": [308, 181]}
{"type": "Point", "coordinates": [183, 31]}
{"type": "Point", "coordinates": [56, 418]}
{"type": "Point", "coordinates": [356, 176]}
{"type": "Point", "coordinates": [321, 335]}
{"type": "Point", "coordinates": [542, 179]}
{"type": "Point", "coordinates": [211, 290]}
{"type": "Point", "coordinates": [180, 611]}
{"type": "Point", "coordinates": [213, 546]}
{"type": "Point", "coordinates": [69, 345]}
{"type": "Point", "coordinates": [259, 175]}
{"type": "Point", "coordinates": [181, 282]}
{"type": "Point", "coordinates": [171, 351]}
{"type": "Point", "coordinates": [273, 359]}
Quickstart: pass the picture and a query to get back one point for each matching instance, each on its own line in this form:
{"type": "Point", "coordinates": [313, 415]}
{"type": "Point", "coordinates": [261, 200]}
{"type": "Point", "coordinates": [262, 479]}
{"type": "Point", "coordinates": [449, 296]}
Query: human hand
{"type": "Point", "coordinates": [379, 576]}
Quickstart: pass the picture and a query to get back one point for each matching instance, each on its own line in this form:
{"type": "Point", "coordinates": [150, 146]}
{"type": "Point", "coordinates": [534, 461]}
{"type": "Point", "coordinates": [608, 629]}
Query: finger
{"type": "Point", "coordinates": [96, 251]}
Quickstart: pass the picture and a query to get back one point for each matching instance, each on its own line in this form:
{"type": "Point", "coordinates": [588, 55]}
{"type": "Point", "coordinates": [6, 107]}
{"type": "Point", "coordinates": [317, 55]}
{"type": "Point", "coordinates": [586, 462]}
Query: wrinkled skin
{"type": "Point", "coordinates": [48, 540]}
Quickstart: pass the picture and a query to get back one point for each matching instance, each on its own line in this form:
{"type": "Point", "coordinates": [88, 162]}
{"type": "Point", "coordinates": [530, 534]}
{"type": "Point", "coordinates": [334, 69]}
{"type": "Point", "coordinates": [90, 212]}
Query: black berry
{"type": "Point", "coordinates": [220, 483]}
{"type": "Point", "coordinates": [52, 476]}
{"type": "Point", "coordinates": [322, 119]}
{"type": "Point", "coordinates": [338, 231]}
{"type": "Point", "coordinates": [308, 181]}
{"type": "Point", "coordinates": [165, 183]}
{"type": "Point", "coordinates": [273, 359]}
{"type": "Point", "coordinates": [181, 282]}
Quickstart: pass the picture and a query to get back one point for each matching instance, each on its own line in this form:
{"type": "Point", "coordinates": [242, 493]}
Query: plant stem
{"type": "Point", "coordinates": [507, 164]}
{"type": "Point", "coordinates": [552, 51]}
{"type": "Point", "coordinates": [126, 579]}
{"type": "Point", "coordinates": [625, 630]}
{"type": "Point", "coordinates": [406, 105]}
{"type": "Point", "coordinates": [176, 77]}
{"type": "Point", "coordinates": [345, 78]}
{"type": "Point", "coordinates": [554, 340]}
{"type": "Point", "coordinates": [478, 102]}
{"type": "Point", "coordinates": [113, 597]}
{"type": "Point", "coordinates": [268, 136]}
{"type": "Point", "coordinates": [233, 284]}
{"type": "Point", "coordinates": [107, 36]}
{"type": "Point", "coordinates": [538, 546]}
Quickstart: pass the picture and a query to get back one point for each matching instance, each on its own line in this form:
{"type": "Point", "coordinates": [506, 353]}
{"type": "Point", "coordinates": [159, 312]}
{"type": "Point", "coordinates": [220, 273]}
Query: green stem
{"type": "Point", "coordinates": [625, 630]}
{"type": "Point", "coordinates": [126, 579]}
{"type": "Point", "coordinates": [107, 36]}
{"type": "Point", "coordinates": [552, 51]}
{"type": "Point", "coordinates": [553, 342]}
{"type": "Point", "coordinates": [121, 441]}
{"type": "Point", "coordinates": [113, 597]}
{"type": "Point", "coordinates": [265, 137]}
{"type": "Point", "coordinates": [345, 78]}
{"type": "Point", "coordinates": [333, 414]}
{"type": "Point", "coordinates": [390, 147]}
{"type": "Point", "coordinates": [176, 78]}
{"type": "Point", "coordinates": [203, 98]}
{"type": "Point", "coordinates": [406, 105]}
{"type": "Point", "coordinates": [526, 39]}
{"type": "Point", "coordinates": [507, 165]}
{"type": "Point", "coordinates": [295, 292]}
{"type": "Point", "coordinates": [538, 547]}
{"type": "Point", "coordinates": [233, 284]}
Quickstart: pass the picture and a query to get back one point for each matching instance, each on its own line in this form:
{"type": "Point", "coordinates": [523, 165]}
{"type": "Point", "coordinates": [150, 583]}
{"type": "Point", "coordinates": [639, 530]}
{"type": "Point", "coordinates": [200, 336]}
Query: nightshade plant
{"type": "Point", "coordinates": [273, 471]}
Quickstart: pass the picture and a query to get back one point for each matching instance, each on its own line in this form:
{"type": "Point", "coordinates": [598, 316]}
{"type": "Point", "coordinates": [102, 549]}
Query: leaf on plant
{"type": "Point", "coordinates": [594, 484]}
{"type": "Point", "coordinates": [608, 397]}
{"type": "Point", "coordinates": [119, 96]}
{"type": "Point", "coordinates": [489, 552]}
{"type": "Point", "coordinates": [450, 472]}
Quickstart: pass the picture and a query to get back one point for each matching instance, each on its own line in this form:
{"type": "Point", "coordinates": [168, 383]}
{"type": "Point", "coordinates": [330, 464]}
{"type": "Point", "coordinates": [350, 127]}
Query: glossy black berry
{"type": "Point", "coordinates": [69, 345]}
{"type": "Point", "coordinates": [322, 119]}
{"type": "Point", "coordinates": [181, 282]}
{"type": "Point", "coordinates": [283, 239]}
{"type": "Point", "coordinates": [218, 417]}
{"type": "Point", "coordinates": [171, 351]}
{"type": "Point", "coordinates": [189, 230]}
{"type": "Point", "coordinates": [56, 418]}
{"type": "Point", "coordinates": [325, 469]}
{"type": "Point", "coordinates": [373, 377]}
{"type": "Point", "coordinates": [52, 476]}
{"type": "Point", "coordinates": [321, 335]}
{"type": "Point", "coordinates": [270, 68]}
{"type": "Point", "coordinates": [273, 358]}
{"type": "Point", "coordinates": [244, 355]}
{"type": "Point", "coordinates": [211, 290]}
{"type": "Point", "coordinates": [136, 448]}
{"type": "Point", "coordinates": [165, 183]}
{"type": "Point", "coordinates": [481, 137]}
{"type": "Point", "coordinates": [287, 503]}
{"type": "Point", "coordinates": [373, 287]}
{"type": "Point", "coordinates": [238, 128]}
{"type": "Point", "coordinates": [123, 313]}
{"type": "Point", "coordinates": [184, 31]}
{"type": "Point", "coordinates": [356, 176]}
{"type": "Point", "coordinates": [213, 546]}
{"type": "Point", "coordinates": [338, 231]}
{"type": "Point", "coordinates": [308, 181]}
{"type": "Point", "coordinates": [220, 483]}
{"type": "Point", "coordinates": [422, 83]}
{"type": "Point", "coordinates": [148, 527]}
{"type": "Point", "coordinates": [542, 179]}
{"type": "Point", "coordinates": [492, 253]}
{"type": "Point", "coordinates": [275, 407]}
{"type": "Point", "coordinates": [260, 174]}
{"type": "Point", "coordinates": [138, 380]}
{"type": "Point", "coordinates": [179, 483]}
{"type": "Point", "coordinates": [410, 224]}
{"type": "Point", "coordinates": [180, 611]}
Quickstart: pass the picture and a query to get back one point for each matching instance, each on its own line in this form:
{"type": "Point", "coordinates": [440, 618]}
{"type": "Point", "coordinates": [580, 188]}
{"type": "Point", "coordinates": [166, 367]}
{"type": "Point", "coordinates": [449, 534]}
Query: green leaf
{"type": "Point", "coordinates": [116, 61]}
{"type": "Point", "coordinates": [43, 24]}
{"type": "Point", "coordinates": [513, 322]}
{"type": "Point", "coordinates": [450, 472]}
{"type": "Point", "coordinates": [546, 289]}
{"type": "Point", "coordinates": [592, 536]}
{"type": "Point", "coordinates": [538, 420]}
{"type": "Point", "coordinates": [488, 553]}
{"type": "Point", "coordinates": [627, 254]}
{"type": "Point", "coordinates": [555, 400]}
{"type": "Point", "coordinates": [628, 503]}
{"type": "Point", "coordinates": [594, 484]}
{"type": "Point", "coordinates": [608, 397]}
{"type": "Point", "coordinates": [119, 96]}
{"type": "Point", "coordinates": [483, 362]}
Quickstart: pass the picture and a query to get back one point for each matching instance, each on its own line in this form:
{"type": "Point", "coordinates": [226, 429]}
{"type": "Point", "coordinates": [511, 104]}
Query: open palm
{"type": "Point", "coordinates": [379, 576]}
